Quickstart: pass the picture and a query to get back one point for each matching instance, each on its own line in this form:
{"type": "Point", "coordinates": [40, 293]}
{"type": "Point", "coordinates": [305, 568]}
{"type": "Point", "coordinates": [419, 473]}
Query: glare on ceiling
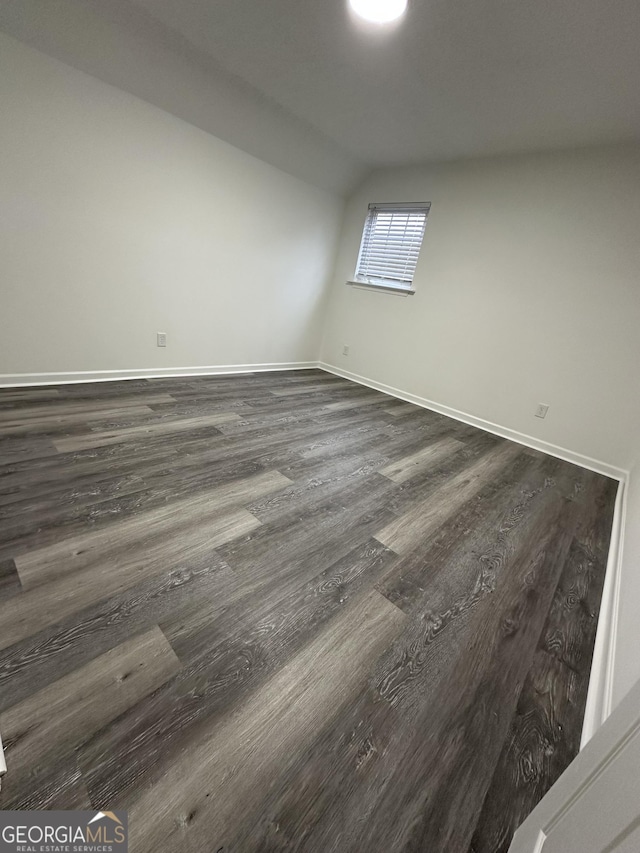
{"type": "Point", "coordinates": [379, 11]}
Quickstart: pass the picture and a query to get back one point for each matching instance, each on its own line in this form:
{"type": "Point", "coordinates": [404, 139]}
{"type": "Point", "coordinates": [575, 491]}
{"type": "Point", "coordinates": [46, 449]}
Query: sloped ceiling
{"type": "Point", "coordinates": [123, 45]}
{"type": "Point", "coordinates": [302, 85]}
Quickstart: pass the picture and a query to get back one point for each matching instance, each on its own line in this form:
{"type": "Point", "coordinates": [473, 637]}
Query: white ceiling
{"type": "Point", "coordinates": [456, 78]}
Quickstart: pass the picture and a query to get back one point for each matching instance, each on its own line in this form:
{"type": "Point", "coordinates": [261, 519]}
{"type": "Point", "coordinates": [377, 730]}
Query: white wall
{"type": "Point", "coordinates": [527, 291]}
{"type": "Point", "coordinates": [118, 220]}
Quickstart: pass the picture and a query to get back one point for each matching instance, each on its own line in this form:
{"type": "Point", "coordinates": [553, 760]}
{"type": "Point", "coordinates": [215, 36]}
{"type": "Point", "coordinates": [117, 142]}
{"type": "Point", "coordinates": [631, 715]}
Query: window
{"type": "Point", "coordinates": [390, 245]}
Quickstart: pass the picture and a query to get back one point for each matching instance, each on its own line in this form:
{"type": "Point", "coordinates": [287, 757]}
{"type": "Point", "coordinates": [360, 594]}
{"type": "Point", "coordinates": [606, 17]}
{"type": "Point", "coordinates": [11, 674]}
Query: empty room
{"type": "Point", "coordinates": [319, 426]}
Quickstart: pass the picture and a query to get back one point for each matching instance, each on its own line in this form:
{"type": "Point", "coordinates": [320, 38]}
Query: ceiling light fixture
{"type": "Point", "coordinates": [379, 11]}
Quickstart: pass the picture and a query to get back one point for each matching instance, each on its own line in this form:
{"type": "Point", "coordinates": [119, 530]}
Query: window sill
{"type": "Point", "coordinates": [393, 289]}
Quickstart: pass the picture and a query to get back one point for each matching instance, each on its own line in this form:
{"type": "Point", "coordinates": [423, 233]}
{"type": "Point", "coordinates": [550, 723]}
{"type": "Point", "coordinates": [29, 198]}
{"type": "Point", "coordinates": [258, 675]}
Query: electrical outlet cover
{"type": "Point", "coordinates": [541, 410]}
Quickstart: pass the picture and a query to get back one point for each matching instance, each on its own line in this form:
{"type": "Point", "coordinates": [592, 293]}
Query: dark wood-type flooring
{"type": "Point", "coordinates": [282, 611]}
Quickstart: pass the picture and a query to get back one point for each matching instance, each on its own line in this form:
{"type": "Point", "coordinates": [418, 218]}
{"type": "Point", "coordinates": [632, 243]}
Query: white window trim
{"type": "Point", "coordinates": [393, 287]}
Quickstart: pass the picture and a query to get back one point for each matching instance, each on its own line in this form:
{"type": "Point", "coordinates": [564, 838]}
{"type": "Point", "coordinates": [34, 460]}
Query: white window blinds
{"type": "Point", "coordinates": [391, 243]}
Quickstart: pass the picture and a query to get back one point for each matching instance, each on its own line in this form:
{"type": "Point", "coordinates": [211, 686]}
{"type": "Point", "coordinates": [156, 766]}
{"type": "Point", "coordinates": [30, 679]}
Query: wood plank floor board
{"type": "Point", "coordinates": [440, 586]}
{"type": "Point", "coordinates": [27, 396]}
{"type": "Point", "coordinates": [290, 438]}
{"type": "Point", "coordinates": [311, 389]}
{"type": "Point", "coordinates": [373, 624]}
{"type": "Point", "coordinates": [423, 459]}
{"type": "Point", "coordinates": [311, 424]}
{"type": "Point", "coordinates": [42, 523]}
{"type": "Point", "coordinates": [67, 712]}
{"type": "Point", "coordinates": [52, 653]}
{"type": "Point", "coordinates": [353, 462]}
{"type": "Point", "coordinates": [417, 419]}
{"type": "Point", "coordinates": [545, 731]}
{"type": "Point", "coordinates": [163, 427]}
{"type": "Point", "coordinates": [286, 608]}
{"type": "Point", "coordinates": [335, 444]}
{"type": "Point", "coordinates": [280, 719]}
{"type": "Point", "coordinates": [231, 655]}
{"type": "Point", "coordinates": [428, 514]}
{"type": "Point", "coordinates": [407, 677]}
{"type": "Point", "coordinates": [462, 747]}
{"type": "Point", "coordinates": [44, 565]}
{"type": "Point", "coordinates": [293, 536]}
{"type": "Point", "coordinates": [425, 483]}
{"type": "Point", "coordinates": [90, 408]}
{"type": "Point", "coordinates": [262, 422]}
{"type": "Point", "coordinates": [321, 552]}
{"type": "Point", "coordinates": [536, 751]}
{"type": "Point", "coordinates": [9, 579]}
{"type": "Point", "coordinates": [481, 524]}
{"type": "Point", "coordinates": [425, 430]}
{"type": "Point", "coordinates": [17, 449]}
{"type": "Point", "coordinates": [197, 407]}
{"type": "Point", "coordinates": [333, 480]}
{"type": "Point", "coordinates": [23, 484]}
{"type": "Point", "coordinates": [50, 504]}
{"type": "Point", "coordinates": [60, 427]}
{"type": "Point", "coordinates": [48, 401]}
{"type": "Point", "coordinates": [114, 387]}
{"type": "Point", "coordinates": [72, 574]}
{"type": "Point", "coordinates": [376, 399]}
{"type": "Point", "coordinates": [399, 408]}
{"type": "Point", "coordinates": [37, 472]}
{"type": "Point", "coordinates": [460, 583]}
{"type": "Point", "coordinates": [58, 787]}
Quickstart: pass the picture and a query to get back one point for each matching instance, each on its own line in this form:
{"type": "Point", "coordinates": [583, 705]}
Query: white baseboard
{"type": "Point", "coordinates": [13, 380]}
{"type": "Point", "coordinates": [504, 432]}
{"type": "Point", "coordinates": [600, 696]}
